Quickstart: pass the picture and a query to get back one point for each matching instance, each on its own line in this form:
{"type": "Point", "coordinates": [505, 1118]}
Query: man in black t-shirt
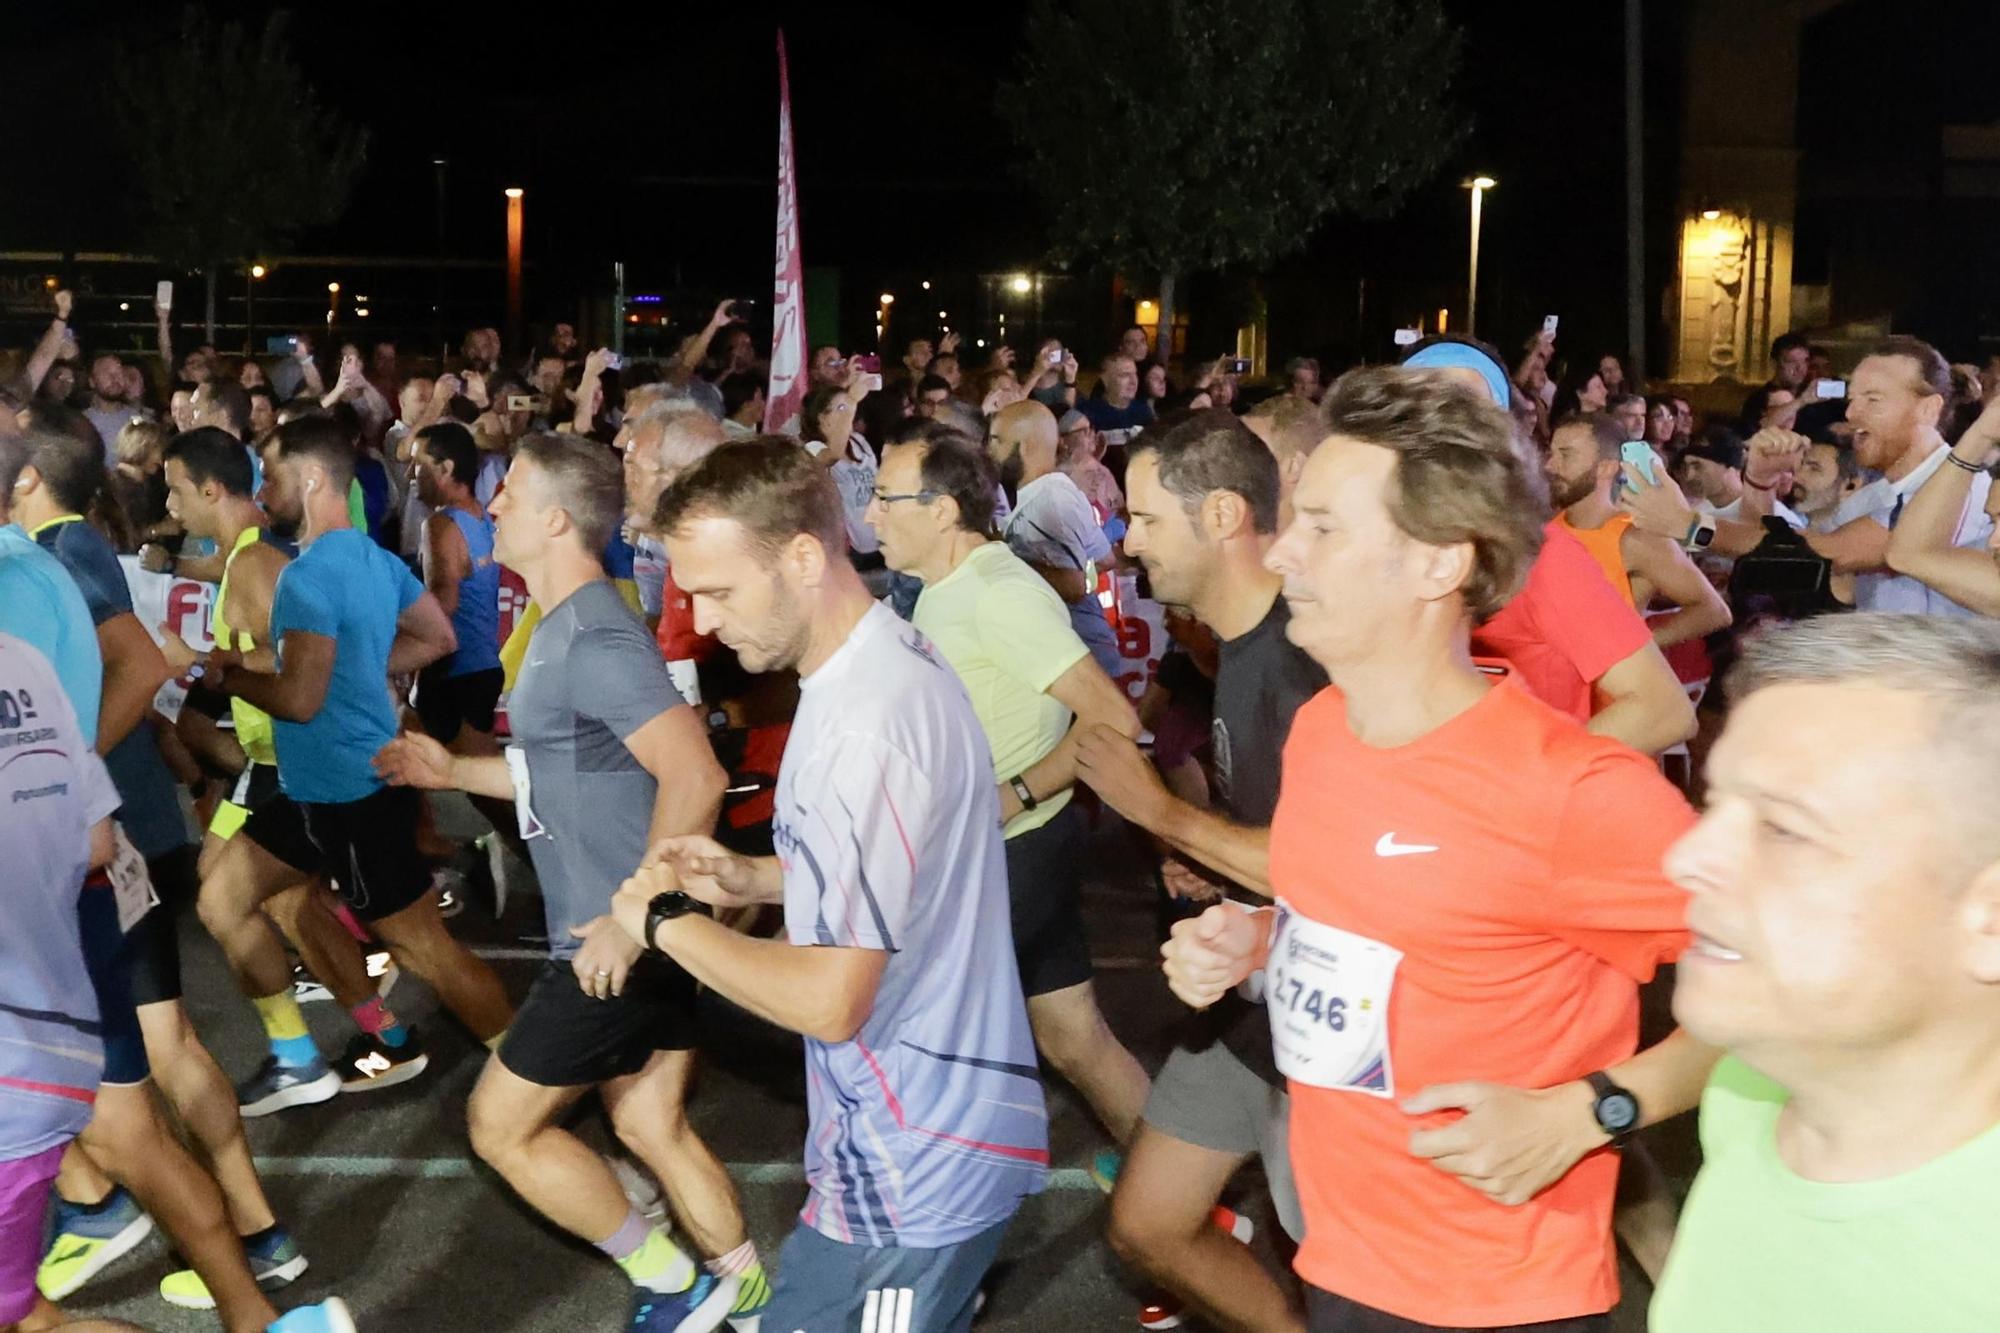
{"type": "Point", "coordinates": [1203, 502]}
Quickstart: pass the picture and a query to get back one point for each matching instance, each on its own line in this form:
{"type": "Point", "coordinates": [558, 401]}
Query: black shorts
{"type": "Point", "coordinates": [207, 702]}
{"type": "Point", "coordinates": [1044, 879]}
{"type": "Point", "coordinates": [562, 1038]}
{"type": "Point", "coordinates": [446, 703]}
{"type": "Point", "coordinates": [107, 956]}
{"type": "Point", "coordinates": [368, 848]}
{"type": "Point", "coordinates": [1327, 1313]}
{"type": "Point", "coordinates": [155, 943]}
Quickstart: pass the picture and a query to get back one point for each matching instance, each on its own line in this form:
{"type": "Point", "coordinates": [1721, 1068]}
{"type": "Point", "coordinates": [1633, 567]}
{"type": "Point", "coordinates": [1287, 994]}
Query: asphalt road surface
{"type": "Point", "coordinates": [398, 1217]}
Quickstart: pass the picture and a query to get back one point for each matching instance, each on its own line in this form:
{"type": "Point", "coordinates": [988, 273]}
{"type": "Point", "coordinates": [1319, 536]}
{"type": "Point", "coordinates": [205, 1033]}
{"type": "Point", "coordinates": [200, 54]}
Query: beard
{"type": "Point", "coordinates": [1010, 474]}
{"type": "Point", "coordinates": [1564, 491]}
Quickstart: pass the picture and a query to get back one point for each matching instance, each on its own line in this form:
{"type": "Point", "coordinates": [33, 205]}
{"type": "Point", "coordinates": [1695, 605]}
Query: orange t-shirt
{"type": "Point", "coordinates": [1606, 545]}
{"type": "Point", "coordinates": [1514, 860]}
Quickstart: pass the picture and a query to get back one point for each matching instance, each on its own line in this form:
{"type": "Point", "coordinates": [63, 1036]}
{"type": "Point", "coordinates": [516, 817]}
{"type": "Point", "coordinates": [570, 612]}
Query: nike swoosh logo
{"type": "Point", "coordinates": [78, 1251]}
{"type": "Point", "coordinates": [1386, 845]}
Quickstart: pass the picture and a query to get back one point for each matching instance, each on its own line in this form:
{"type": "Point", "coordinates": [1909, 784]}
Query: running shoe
{"type": "Point", "coordinates": [307, 988]}
{"type": "Point", "coordinates": [449, 886]}
{"type": "Point", "coordinates": [1235, 1223]}
{"type": "Point", "coordinates": [275, 1261]}
{"type": "Point", "coordinates": [368, 1065]}
{"type": "Point", "coordinates": [277, 1087]}
{"type": "Point", "coordinates": [329, 1316]}
{"type": "Point", "coordinates": [702, 1307]}
{"type": "Point", "coordinates": [1104, 1169]}
{"type": "Point", "coordinates": [382, 967]}
{"type": "Point", "coordinates": [84, 1241]}
{"type": "Point", "coordinates": [1162, 1313]}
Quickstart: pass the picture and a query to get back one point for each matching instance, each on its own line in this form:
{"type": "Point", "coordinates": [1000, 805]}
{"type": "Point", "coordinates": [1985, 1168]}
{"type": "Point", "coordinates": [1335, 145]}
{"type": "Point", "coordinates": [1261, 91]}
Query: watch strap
{"type": "Point", "coordinates": [1022, 792]}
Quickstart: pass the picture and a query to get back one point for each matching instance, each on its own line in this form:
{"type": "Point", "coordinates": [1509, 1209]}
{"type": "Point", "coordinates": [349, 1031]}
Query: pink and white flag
{"type": "Point", "coordinates": [787, 392]}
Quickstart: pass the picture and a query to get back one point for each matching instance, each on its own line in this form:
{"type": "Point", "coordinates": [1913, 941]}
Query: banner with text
{"type": "Point", "coordinates": [787, 392]}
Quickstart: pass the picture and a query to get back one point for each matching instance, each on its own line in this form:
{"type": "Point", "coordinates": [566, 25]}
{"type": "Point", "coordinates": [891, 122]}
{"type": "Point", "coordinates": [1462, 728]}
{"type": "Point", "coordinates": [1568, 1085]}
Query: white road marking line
{"type": "Point", "coordinates": [1062, 1179]}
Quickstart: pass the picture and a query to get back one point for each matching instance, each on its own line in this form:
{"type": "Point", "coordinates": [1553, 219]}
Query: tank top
{"type": "Point", "coordinates": [253, 725]}
{"type": "Point", "coordinates": [1606, 547]}
{"type": "Point", "coordinates": [476, 619]}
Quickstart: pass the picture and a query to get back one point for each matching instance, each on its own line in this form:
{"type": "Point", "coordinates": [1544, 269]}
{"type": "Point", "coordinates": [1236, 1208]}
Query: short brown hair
{"type": "Point", "coordinates": [1458, 477]}
{"type": "Point", "coordinates": [1606, 433]}
{"type": "Point", "coordinates": [584, 480]}
{"type": "Point", "coordinates": [1296, 425]}
{"type": "Point", "coordinates": [768, 484]}
{"type": "Point", "coordinates": [1933, 372]}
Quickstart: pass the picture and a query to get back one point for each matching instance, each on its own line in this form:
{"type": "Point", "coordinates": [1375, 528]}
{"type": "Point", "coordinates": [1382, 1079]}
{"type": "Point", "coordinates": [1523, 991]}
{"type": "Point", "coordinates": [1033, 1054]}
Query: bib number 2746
{"type": "Point", "coordinates": [1328, 999]}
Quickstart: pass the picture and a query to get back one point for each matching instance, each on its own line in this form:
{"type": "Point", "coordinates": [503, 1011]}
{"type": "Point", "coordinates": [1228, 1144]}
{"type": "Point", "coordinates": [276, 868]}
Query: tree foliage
{"type": "Point", "coordinates": [231, 151]}
{"type": "Point", "coordinates": [1184, 135]}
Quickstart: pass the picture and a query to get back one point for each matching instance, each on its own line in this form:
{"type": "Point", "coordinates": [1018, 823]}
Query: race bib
{"type": "Point", "coordinates": [1327, 991]}
{"type": "Point", "coordinates": [686, 679]}
{"type": "Point", "coordinates": [130, 883]}
{"type": "Point", "coordinates": [524, 810]}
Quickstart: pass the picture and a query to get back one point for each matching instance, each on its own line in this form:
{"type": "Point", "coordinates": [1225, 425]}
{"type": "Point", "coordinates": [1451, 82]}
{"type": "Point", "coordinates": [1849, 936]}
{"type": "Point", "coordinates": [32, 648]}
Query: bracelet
{"type": "Point", "coordinates": [1957, 462]}
{"type": "Point", "coordinates": [1753, 485]}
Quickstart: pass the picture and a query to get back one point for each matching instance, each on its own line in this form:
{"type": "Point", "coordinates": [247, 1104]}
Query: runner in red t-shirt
{"type": "Point", "coordinates": [1469, 894]}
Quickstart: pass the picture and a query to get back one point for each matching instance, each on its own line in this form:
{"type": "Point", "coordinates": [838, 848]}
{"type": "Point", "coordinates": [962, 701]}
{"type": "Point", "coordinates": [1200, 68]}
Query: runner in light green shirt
{"type": "Point", "coordinates": [1761, 1247]}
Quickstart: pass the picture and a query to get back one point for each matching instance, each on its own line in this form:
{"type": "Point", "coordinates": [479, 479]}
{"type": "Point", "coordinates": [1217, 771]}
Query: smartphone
{"type": "Point", "coordinates": [1549, 323]}
{"type": "Point", "coordinates": [613, 361]}
{"type": "Point", "coordinates": [1640, 455]}
{"type": "Point", "coordinates": [872, 382]}
{"type": "Point", "coordinates": [869, 362]}
{"type": "Point", "coordinates": [741, 309]}
{"type": "Point", "coordinates": [1237, 365]}
{"type": "Point", "coordinates": [1826, 390]}
{"type": "Point", "coordinates": [1406, 337]}
{"type": "Point", "coordinates": [1054, 357]}
{"type": "Point", "coordinates": [164, 294]}
{"type": "Point", "coordinates": [522, 402]}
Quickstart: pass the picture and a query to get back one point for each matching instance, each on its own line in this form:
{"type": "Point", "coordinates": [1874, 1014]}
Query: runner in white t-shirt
{"type": "Point", "coordinates": [928, 1126]}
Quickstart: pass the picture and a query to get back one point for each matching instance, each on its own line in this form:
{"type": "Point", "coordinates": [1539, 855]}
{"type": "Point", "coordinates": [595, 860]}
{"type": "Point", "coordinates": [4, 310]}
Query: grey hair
{"type": "Point", "coordinates": [1952, 663]}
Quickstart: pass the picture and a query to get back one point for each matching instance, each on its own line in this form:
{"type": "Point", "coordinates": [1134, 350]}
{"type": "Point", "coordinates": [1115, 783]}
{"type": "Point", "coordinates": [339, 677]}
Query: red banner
{"type": "Point", "coordinates": [787, 392]}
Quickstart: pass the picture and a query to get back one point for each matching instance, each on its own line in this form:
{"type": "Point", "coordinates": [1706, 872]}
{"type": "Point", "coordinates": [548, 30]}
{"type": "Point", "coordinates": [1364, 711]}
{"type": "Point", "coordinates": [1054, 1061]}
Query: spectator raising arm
{"type": "Point", "coordinates": [1922, 545]}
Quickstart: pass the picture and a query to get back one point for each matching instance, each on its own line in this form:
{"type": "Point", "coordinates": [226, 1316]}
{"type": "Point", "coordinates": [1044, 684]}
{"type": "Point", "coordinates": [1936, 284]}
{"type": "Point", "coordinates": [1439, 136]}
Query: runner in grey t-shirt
{"type": "Point", "coordinates": [592, 677]}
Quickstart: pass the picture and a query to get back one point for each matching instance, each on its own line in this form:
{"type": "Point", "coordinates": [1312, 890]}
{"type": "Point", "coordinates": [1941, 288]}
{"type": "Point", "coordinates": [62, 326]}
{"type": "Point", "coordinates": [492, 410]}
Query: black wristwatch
{"type": "Point", "coordinates": [1616, 1109]}
{"type": "Point", "coordinates": [1022, 792]}
{"type": "Point", "coordinates": [665, 907]}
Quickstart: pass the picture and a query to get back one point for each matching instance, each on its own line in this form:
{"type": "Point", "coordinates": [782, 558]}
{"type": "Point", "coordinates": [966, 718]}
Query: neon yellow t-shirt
{"type": "Point", "coordinates": [1008, 636]}
{"type": "Point", "coordinates": [1763, 1248]}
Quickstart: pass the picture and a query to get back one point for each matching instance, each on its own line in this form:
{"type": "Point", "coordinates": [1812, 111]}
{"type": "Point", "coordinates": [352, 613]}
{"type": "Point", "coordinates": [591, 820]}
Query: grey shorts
{"type": "Point", "coordinates": [1213, 1100]}
{"type": "Point", "coordinates": [825, 1286]}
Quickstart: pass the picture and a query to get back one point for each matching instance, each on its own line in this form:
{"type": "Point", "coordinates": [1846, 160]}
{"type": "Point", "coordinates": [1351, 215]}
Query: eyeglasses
{"type": "Point", "coordinates": [923, 497]}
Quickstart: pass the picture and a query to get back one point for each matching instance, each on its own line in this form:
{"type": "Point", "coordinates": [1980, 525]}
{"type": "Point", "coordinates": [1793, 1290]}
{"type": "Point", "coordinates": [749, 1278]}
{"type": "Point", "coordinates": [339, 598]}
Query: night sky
{"type": "Point", "coordinates": [649, 133]}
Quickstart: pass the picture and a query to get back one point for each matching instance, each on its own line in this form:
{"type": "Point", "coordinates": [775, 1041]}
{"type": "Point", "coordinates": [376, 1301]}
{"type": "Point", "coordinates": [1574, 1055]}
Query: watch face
{"type": "Point", "coordinates": [1617, 1112]}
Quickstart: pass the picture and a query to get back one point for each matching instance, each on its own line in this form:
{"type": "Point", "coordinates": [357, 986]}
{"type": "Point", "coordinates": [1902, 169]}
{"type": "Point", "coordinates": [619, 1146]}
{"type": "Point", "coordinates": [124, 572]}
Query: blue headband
{"type": "Point", "coordinates": [1463, 356]}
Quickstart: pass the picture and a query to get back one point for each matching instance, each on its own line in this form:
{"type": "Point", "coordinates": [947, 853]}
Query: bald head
{"type": "Point", "coordinates": [664, 441]}
{"type": "Point", "coordinates": [1028, 429]}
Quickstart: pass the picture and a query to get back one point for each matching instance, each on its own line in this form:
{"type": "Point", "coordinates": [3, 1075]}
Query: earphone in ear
{"type": "Point", "coordinates": [311, 482]}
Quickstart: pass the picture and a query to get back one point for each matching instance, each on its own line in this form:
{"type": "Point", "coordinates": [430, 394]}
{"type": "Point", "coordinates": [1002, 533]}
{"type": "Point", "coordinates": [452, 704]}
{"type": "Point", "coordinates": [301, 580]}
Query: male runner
{"type": "Point", "coordinates": [1005, 632]}
{"type": "Point", "coordinates": [1584, 469]}
{"type": "Point", "coordinates": [1203, 497]}
{"type": "Point", "coordinates": [606, 760]}
{"type": "Point", "coordinates": [1845, 885]}
{"type": "Point", "coordinates": [344, 616]}
{"type": "Point", "coordinates": [927, 1121]}
{"type": "Point", "coordinates": [459, 690]}
{"type": "Point", "coordinates": [126, 1132]}
{"type": "Point", "coordinates": [1454, 931]}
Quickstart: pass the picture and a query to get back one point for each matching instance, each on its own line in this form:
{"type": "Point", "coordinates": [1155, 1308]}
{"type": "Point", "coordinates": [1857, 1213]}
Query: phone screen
{"type": "Point", "coordinates": [1828, 389]}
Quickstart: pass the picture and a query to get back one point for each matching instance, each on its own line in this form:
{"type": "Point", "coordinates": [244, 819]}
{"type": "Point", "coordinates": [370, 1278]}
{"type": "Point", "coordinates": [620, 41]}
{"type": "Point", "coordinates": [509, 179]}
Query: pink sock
{"type": "Point", "coordinates": [347, 919]}
{"type": "Point", "coordinates": [373, 1016]}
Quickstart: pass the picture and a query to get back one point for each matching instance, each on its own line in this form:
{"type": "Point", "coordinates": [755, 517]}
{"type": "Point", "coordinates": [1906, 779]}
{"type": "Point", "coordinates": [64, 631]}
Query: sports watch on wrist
{"type": "Point", "coordinates": [1700, 533]}
{"type": "Point", "coordinates": [665, 907]}
{"type": "Point", "coordinates": [1022, 792]}
{"type": "Point", "coordinates": [1616, 1110]}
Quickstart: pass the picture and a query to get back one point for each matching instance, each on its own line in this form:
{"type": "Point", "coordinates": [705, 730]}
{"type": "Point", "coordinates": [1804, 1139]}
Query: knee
{"type": "Point", "coordinates": [1136, 1236]}
{"type": "Point", "coordinates": [224, 902]}
{"type": "Point", "coordinates": [1070, 1037]}
{"type": "Point", "coordinates": [655, 1132]}
{"type": "Point", "coordinates": [495, 1138]}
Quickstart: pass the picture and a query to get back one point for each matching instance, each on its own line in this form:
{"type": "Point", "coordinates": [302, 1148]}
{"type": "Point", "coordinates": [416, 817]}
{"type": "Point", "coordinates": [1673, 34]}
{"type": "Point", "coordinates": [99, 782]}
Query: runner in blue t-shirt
{"type": "Point", "coordinates": [345, 616]}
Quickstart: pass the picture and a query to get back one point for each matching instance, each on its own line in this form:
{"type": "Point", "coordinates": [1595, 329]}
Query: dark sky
{"type": "Point", "coordinates": [647, 132]}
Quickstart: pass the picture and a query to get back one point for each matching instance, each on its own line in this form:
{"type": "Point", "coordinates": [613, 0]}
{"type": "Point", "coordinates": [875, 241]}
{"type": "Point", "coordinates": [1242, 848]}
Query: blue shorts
{"type": "Point", "coordinates": [825, 1286]}
{"type": "Point", "coordinates": [108, 956]}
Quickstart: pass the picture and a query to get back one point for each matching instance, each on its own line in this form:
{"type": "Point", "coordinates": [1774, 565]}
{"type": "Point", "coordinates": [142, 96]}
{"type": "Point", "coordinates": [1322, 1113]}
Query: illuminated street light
{"type": "Point", "coordinates": [927, 283]}
{"type": "Point", "coordinates": [888, 298]}
{"type": "Point", "coordinates": [1479, 185]}
{"type": "Point", "coordinates": [1710, 214]}
{"type": "Point", "coordinates": [257, 270]}
{"type": "Point", "coordinates": [1022, 286]}
{"type": "Point", "coordinates": [514, 192]}
{"type": "Point", "coordinates": [333, 288]}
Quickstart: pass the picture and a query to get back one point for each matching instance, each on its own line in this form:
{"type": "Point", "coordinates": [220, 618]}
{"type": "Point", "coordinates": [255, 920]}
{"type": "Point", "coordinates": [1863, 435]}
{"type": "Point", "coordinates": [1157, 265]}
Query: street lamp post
{"type": "Point", "coordinates": [1479, 186]}
{"type": "Point", "coordinates": [250, 309]}
{"type": "Point", "coordinates": [514, 325]}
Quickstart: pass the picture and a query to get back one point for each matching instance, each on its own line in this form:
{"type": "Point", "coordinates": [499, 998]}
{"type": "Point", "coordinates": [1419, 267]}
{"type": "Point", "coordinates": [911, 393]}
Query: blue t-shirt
{"type": "Point", "coordinates": [54, 790]}
{"type": "Point", "coordinates": [41, 605]}
{"type": "Point", "coordinates": [1134, 416]}
{"type": "Point", "coordinates": [151, 805]}
{"type": "Point", "coordinates": [476, 618]}
{"type": "Point", "coordinates": [345, 588]}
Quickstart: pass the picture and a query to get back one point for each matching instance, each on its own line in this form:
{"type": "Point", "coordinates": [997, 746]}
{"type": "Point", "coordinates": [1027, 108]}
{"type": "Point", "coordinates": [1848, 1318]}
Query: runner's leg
{"type": "Point", "coordinates": [1072, 1035]}
{"type": "Point", "coordinates": [202, 1098]}
{"type": "Point", "coordinates": [515, 1130]}
{"type": "Point", "coordinates": [649, 1111]}
{"type": "Point", "coordinates": [1160, 1225]}
{"type": "Point", "coordinates": [417, 938]}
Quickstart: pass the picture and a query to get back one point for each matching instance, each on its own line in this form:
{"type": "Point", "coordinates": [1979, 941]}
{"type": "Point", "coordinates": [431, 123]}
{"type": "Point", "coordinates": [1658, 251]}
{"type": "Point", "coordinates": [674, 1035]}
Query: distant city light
{"type": "Point", "coordinates": [1022, 285]}
{"type": "Point", "coordinates": [124, 305]}
{"type": "Point", "coordinates": [362, 312]}
{"type": "Point", "coordinates": [333, 288]}
{"type": "Point", "coordinates": [888, 298]}
{"type": "Point", "coordinates": [257, 270]}
{"type": "Point", "coordinates": [927, 283]}
{"type": "Point", "coordinates": [645, 300]}
{"type": "Point", "coordinates": [1710, 214]}
{"type": "Point", "coordinates": [942, 315]}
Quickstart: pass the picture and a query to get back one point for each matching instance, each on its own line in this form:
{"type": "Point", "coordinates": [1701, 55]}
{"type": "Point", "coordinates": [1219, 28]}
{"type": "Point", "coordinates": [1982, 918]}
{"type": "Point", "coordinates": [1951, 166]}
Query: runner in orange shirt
{"type": "Point", "coordinates": [1469, 894]}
